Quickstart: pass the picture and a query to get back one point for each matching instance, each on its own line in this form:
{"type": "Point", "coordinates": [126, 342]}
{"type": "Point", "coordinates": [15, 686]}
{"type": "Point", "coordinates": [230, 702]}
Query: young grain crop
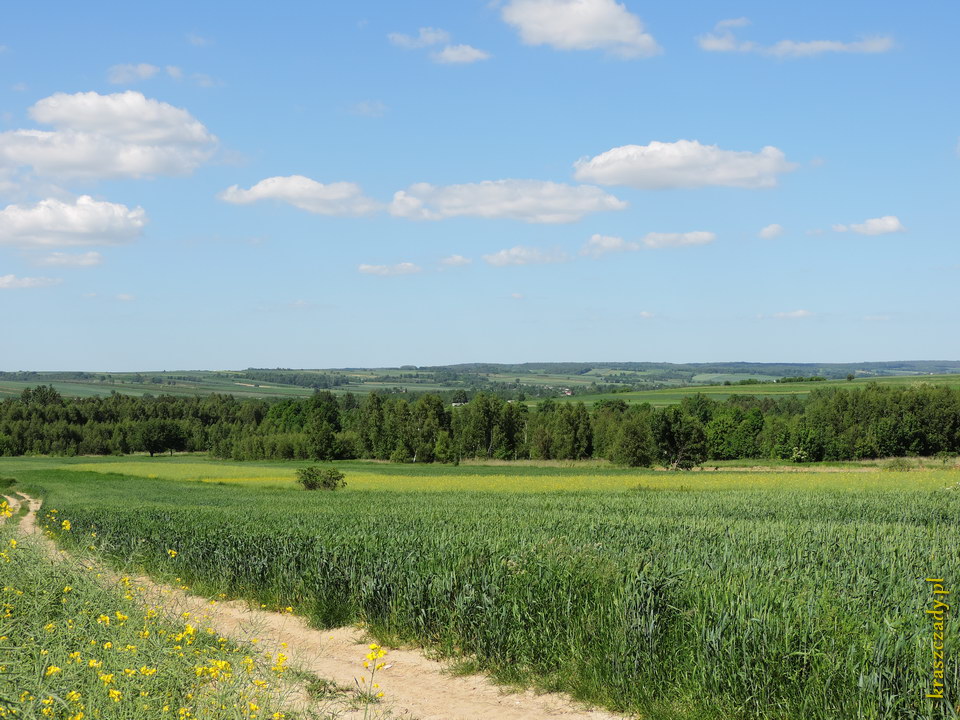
{"type": "Point", "coordinates": [780, 598]}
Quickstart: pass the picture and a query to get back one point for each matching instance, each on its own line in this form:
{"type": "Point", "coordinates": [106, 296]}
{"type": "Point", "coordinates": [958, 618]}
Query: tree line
{"type": "Point", "coordinates": [830, 424]}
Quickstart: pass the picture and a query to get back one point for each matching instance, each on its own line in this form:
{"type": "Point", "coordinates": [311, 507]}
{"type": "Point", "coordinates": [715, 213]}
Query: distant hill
{"type": "Point", "coordinates": [532, 380]}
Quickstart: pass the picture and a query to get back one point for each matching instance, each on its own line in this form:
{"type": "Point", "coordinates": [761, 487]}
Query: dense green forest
{"type": "Point", "coordinates": [830, 424]}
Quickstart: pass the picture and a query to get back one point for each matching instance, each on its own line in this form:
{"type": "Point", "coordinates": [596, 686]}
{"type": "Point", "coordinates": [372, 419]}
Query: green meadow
{"type": "Point", "coordinates": [721, 594]}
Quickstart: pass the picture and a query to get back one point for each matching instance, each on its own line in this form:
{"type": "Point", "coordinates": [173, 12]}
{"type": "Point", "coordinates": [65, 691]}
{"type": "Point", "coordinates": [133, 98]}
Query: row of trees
{"type": "Point", "coordinates": [832, 424]}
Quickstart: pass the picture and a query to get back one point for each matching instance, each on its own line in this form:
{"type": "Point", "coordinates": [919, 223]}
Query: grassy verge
{"type": "Point", "coordinates": [73, 648]}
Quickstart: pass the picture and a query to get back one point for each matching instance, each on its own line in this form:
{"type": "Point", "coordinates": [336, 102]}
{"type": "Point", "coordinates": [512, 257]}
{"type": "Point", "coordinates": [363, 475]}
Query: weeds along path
{"type": "Point", "coordinates": [414, 686]}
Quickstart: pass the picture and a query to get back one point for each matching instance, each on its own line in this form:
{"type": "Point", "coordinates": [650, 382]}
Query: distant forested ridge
{"type": "Point", "coordinates": [831, 424]}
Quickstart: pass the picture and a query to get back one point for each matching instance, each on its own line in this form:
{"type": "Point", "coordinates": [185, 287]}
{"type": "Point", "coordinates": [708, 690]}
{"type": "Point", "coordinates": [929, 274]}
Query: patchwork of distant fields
{"type": "Point", "coordinates": [672, 396]}
{"type": "Point", "coordinates": [198, 383]}
{"type": "Point", "coordinates": [773, 595]}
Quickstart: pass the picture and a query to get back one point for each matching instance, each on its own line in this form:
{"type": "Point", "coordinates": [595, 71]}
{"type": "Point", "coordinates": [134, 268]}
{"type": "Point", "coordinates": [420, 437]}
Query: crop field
{"type": "Point", "coordinates": [775, 595]}
{"type": "Point", "coordinates": [672, 396]}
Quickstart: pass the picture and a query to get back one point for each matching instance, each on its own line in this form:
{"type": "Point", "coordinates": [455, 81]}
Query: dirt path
{"type": "Point", "coordinates": [413, 686]}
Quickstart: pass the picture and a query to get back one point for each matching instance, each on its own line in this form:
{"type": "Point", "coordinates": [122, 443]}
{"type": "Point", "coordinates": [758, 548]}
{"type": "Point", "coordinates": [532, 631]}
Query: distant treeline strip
{"type": "Point", "coordinates": [831, 424]}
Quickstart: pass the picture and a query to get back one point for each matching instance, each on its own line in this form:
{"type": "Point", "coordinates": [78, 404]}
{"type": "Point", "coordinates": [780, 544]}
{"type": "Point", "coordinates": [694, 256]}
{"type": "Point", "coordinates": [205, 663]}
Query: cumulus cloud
{"type": "Point", "coordinates": [793, 315]}
{"type": "Point", "coordinates": [404, 268]}
{"type": "Point", "coordinates": [874, 226]}
{"type": "Point", "coordinates": [581, 25]}
{"type": "Point", "coordinates": [54, 223]}
{"type": "Point", "coordinates": [119, 135]}
{"type": "Point", "coordinates": [664, 240]}
{"type": "Point", "coordinates": [771, 231]}
{"type": "Point", "coordinates": [533, 201]}
{"type": "Point", "coordinates": [520, 255]}
{"type": "Point", "coordinates": [599, 245]}
{"type": "Point", "coordinates": [722, 39]}
{"type": "Point", "coordinates": [455, 261]}
{"type": "Point", "coordinates": [130, 73]}
{"type": "Point", "coordinates": [12, 282]}
{"type": "Point", "coordinates": [339, 198]}
{"type": "Point", "coordinates": [459, 55]}
{"type": "Point", "coordinates": [61, 259]}
{"type": "Point", "coordinates": [426, 37]}
{"type": "Point", "coordinates": [683, 164]}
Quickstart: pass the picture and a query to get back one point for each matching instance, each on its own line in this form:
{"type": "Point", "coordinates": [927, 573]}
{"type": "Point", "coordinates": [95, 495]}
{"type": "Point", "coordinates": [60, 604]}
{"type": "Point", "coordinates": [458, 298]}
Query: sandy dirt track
{"type": "Point", "coordinates": [413, 685]}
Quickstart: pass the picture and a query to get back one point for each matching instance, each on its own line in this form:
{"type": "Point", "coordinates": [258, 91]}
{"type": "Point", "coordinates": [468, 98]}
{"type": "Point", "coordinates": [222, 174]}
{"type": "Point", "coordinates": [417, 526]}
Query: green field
{"type": "Point", "coordinates": [682, 595]}
{"type": "Point", "coordinates": [672, 396]}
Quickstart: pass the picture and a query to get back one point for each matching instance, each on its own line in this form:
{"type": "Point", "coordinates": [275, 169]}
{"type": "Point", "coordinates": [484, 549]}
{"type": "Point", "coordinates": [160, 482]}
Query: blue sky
{"type": "Point", "coordinates": [378, 183]}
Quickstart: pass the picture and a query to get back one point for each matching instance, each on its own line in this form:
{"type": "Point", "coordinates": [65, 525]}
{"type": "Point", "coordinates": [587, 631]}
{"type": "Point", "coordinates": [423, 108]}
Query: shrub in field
{"type": "Point", "coordinates": [898, 465]}
{"type": "Point", "coordinates": [317, 478]}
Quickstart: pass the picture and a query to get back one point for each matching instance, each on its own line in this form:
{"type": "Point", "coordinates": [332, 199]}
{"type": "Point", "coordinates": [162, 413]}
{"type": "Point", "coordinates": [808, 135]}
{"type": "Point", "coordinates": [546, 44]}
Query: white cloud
{"type": "Point", "coordinates": [119, 135]}
{"type": "Point", "coordinates": [126, 297]}
{"type": "Point", "coordinates": [581, 25]}
{"type": "Point", "coordinates": [874, 226]}
{"type": "Point", "coordinates": [664, 240]}
{"type": "Point", "coordinates": [126, 74]}
{"type": "Point", "coordinates": [87, 259]}
{"type": "Point", "coordinates": [521, 255]}
{"type": "Point", "coordinates": [683, 164]}
{"type": "Point", "coordinates": [534, 201]}
{"type": "Point", "coordinates": [339, 198]}
{"type": "Point", "coordinates": [722, 39]}
{"type": "Point", "coordinates": [404, 268]}
{"type": "Point", "coordinates": [426, 37]}
{"type": "Point", "coordinates": [599, 245]}
{"type": "Point", "coordinates": [516, 296]}
{"type": "Point", "coordinates": [771, 231]}
{"type": "Point", "coordinates": [19, 87]}
{"type": "Point", "coordinates": [455, 261]}
{"type": "Point", "coordinates": [645, 315]}
{"type": "Point", "coordinates": [790, 48]}
{"type": "Point", "coordinates": [368, 108]}
{"type": "Point", "coordinates": [174, 72]}
{"type": "Point", "coordinates": [459, 55]}
{"type": "Point", "coordinates": [793, 315]}
{"type": "Point", "coordinates": [54, 223]}
{"type": "Point", "coordinates": [198, 40]}
{"type": "Point", "coordinates": [12, 282]}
